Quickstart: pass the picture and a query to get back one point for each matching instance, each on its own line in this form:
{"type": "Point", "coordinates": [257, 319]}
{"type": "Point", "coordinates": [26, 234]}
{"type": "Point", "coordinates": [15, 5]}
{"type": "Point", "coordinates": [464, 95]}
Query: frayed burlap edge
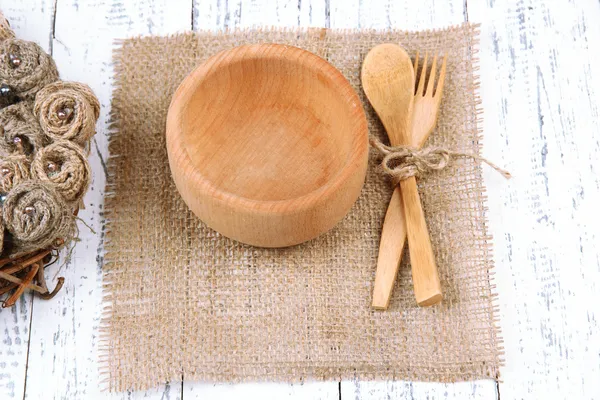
{"type": "Point", "coordinates": [113, 383]}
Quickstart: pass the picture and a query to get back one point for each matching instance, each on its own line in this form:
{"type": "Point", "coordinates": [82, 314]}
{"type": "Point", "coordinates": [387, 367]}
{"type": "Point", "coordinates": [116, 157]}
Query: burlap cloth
{"type": "Point", "coordinates": [183, 301]}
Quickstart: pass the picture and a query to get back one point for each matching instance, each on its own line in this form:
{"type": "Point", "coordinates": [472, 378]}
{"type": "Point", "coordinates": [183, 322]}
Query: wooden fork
{"type": "Point", "coordinates": [394, 233]}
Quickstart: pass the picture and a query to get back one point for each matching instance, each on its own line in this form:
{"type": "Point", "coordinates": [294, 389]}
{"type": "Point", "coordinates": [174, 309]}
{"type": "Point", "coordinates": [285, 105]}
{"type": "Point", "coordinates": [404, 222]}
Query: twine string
{"type": "Point", "coordinates": [402, 162]}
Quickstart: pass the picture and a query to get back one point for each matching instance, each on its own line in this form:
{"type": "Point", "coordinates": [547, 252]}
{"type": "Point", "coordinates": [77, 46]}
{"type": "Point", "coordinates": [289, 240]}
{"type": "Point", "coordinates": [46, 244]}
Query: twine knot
{"type": "Point", "coordinates": [403, 162]}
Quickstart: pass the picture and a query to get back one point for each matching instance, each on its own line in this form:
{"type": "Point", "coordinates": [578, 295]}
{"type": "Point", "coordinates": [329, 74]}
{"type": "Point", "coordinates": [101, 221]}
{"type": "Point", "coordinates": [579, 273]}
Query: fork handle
{"type": "Point", "coordinates": [426, 280]}
{"type": "Point", "coordinates": [391, 246]}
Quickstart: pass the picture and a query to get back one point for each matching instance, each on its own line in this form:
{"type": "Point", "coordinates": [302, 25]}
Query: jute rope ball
{"type": "Point", "coordinates": [44, 172]}
{"type": "Point", "coordinates": [20, 131]}
{"type": "Point", "coordinates": [5, 31]}
{"type": "Point", "coordinates": [63, 164]}
{"type": "Point", "coordinates": [45, 127]}
{"type": "Point", "coordinates": [13, 171]}
{"type": "Point", "coordinates": [25, 68]}
{"type": "Point", "coordinates": [36, 216]}
{"type": "Point", "coordinates": [67, 110]}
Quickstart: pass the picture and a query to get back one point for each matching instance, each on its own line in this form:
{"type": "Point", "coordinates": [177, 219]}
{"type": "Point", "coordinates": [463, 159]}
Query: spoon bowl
{"type": "Point", "coordinates": [388, 78]}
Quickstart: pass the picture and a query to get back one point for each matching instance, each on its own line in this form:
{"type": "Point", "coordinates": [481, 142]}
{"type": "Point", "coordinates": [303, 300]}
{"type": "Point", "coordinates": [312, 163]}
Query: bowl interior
{"type": "Point", "coordinates": [272, 125]}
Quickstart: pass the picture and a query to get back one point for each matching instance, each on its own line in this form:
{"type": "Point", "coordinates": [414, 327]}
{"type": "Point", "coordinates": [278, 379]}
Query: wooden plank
{"type": "Point", "coordinates": [367, 14]}
{"type": "Point", "coordinates": [314, 13]}
{"type": "Point", "coordinates": [14, 323]}
{"type": "Point", "coordinates": [410, 15]}
{"type": "Point", "coordinates": [341, 14]}
{"type": "Point", "coordinates": [540, 91]}
{"type": "Point", "coordinates": [63, 357]}
{"type": "Point", "coordinates": [261, 391]}
{"type": "Point", "coordinates": [215, 15]}
{"type": "Point", "coordinates": [523, 74]}
{"type": "Point", "coordinates": [30, 21]}
{"type": "Point", "coordinates": [480, 390]}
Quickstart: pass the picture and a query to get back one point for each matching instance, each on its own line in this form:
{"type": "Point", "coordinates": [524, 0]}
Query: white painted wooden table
{"type": "Point", "coordinates": [540, 87]}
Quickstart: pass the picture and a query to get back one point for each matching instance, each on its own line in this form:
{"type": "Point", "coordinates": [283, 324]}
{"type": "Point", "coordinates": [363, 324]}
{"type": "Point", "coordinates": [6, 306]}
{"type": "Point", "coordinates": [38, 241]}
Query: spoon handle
{"type": "Point", "coordinates": [391, 246]}
{"type": "Point", "coordinates": [426, 281]}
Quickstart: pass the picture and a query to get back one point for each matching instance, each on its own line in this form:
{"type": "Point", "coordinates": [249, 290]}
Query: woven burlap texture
{"type": "Point", "coordinates": [184, 301]}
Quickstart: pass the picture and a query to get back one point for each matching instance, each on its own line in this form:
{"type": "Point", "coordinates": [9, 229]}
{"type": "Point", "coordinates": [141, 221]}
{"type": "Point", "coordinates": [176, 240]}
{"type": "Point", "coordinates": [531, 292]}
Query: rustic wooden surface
{"type": "Point", "coordinates": [540, 90]}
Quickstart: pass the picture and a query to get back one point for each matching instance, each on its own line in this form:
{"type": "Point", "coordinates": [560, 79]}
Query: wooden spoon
{"type": "Point", "coordinates": [388, 80]}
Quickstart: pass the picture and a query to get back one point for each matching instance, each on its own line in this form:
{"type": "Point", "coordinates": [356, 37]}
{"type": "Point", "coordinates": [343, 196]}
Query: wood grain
{"type": "Point", "coordinates": [391, 248]}
{"type": "Point", "coordinates": [540, 96]}
{"type": "Point", "coordinates": [405, 15]}
{"type": "Point", "coordinates": [388, 79]}
{"type": "Point", "coordinates": [401, 390]}
{"type": "Point", "coordinates": [14, 324]}
{"type": "Point", "coordinates": [426, 281]}
{"type": "Point", "coordinates": [408, 121]}
{"type": "Point", "coordinates": [218, 15]}
{"type": "Point", "coordinates": [278, 158]}
{"type": "Point", "coordinates": [262, 391]}
{"type": "Point", "coordinates": [63, 356]}
{"type": "Point", "coordinates": [30, 21]}
{"type": "Point", "coordinates": [540, 88]}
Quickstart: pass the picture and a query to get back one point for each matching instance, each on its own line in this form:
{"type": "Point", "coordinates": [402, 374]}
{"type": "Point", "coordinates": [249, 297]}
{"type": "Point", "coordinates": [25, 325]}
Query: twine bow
{"type": "Point", "coordinates": [403, 162]}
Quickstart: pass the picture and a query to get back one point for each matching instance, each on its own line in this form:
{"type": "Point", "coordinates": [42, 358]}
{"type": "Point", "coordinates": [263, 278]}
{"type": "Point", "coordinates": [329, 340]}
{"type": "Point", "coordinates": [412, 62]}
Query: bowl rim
{"type": "Point", "coordinates": [358, 155]}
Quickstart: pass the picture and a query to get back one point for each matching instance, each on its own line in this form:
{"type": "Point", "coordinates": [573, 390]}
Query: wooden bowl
{"type": "Point", "coordinates": [267, 144]}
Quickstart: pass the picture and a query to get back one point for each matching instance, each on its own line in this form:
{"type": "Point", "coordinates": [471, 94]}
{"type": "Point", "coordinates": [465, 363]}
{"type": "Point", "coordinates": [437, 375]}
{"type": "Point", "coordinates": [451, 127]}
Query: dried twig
{"type": "Point", "coordinates": [12, 299]}
{"type": "Point", "coordinates": [26, 272]}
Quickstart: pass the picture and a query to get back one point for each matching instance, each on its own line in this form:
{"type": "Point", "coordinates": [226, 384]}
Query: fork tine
{"type": "Point", "coordinates": [415, 68]}
{"type": "Point", "coordinates": [432, 74]}
{"type": "Point", "coordinates": [422, 76]}
{"type": "Point", "coordinates": [440, 84]}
